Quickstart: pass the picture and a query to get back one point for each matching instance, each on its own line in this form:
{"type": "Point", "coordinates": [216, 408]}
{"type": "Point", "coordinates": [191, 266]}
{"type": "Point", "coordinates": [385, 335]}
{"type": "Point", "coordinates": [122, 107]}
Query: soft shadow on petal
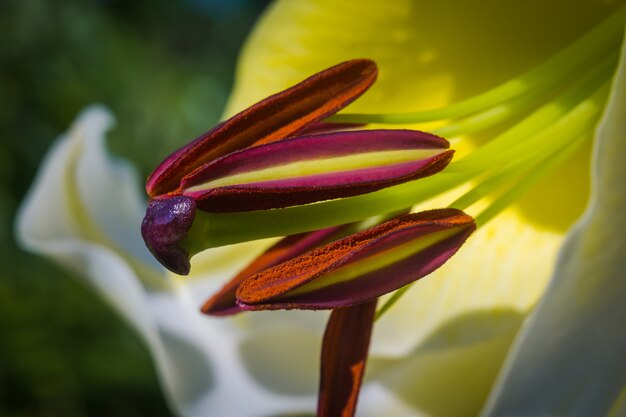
{"type": "Point", "coordinates": [284, 357]}
{"type": "Point", "coordinates": [569, 360]}
{"type": "Point", "coordinates": [462, 356]}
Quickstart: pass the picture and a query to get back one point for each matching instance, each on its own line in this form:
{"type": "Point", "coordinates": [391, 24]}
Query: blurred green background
{"type": "Point", "coordinates": [164, 68]}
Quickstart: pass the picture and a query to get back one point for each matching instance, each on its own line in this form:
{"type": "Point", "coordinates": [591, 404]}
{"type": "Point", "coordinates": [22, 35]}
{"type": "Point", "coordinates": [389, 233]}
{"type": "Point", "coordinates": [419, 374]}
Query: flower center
{"type": "Point", "coordinates": [565, 96]}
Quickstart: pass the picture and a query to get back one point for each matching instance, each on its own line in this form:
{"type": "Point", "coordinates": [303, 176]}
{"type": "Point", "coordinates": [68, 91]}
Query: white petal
{"type": "Point", "coordinates": [84, 211]}
{"type": "Point", "coordinates": [108, 189]}
{"type": "Point", "coordinates": [570, 359]}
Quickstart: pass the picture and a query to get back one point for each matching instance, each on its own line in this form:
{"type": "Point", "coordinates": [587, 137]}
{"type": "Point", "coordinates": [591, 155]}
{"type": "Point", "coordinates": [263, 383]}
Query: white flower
{"type": "Point", "coordinates": [436, 353]}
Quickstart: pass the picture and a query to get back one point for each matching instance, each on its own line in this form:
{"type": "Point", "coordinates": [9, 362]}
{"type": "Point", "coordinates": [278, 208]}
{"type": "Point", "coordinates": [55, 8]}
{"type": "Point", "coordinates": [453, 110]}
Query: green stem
{"type": "Point", "coordinates": [492, 182]}
{"type": "Point", "coordinates": [547, 156]}
{"type": "Point", "coordinates": [489, 117]}
{"type": "Point", "coordinates": [219, 229]}
{"type": "Point", "coordinates": [548, 74]}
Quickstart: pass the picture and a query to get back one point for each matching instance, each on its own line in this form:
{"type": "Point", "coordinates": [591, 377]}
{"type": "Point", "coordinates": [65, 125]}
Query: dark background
{"type": "Point", "coordinates": [165, 69]}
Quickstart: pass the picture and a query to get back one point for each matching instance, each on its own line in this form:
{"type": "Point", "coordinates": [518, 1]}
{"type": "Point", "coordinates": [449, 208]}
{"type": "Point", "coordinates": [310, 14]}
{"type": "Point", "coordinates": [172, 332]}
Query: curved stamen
{"type": "Point", "coordinates": [531, 137]}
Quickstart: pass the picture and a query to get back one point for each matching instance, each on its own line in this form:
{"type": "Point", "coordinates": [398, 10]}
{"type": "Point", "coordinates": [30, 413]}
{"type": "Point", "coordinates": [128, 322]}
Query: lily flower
{"type": "Point", "coordinates": [452, 332]}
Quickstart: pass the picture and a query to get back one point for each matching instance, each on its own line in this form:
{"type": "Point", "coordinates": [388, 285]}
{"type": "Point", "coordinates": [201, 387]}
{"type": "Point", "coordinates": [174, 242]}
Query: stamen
{"type": "Point", "coordinates": [373, 262]}
{"type": "Point", "coordinates": [224, 302]}
{"type": "Point", "coordinates": [270, 120]}
{"type": "Point", "coordinates": [313, 167]}
{"type": "Point", "coordinates": [307, 169]}
{"type": "Point", "coordinates": [529, 138]}
{"type": "Point", "coordinates": [362, 266]}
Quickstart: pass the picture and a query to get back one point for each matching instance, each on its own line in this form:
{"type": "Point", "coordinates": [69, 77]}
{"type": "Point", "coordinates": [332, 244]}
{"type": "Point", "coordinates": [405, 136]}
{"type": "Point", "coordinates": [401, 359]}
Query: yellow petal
{"type": "Point", "coordinates": [429, 53]}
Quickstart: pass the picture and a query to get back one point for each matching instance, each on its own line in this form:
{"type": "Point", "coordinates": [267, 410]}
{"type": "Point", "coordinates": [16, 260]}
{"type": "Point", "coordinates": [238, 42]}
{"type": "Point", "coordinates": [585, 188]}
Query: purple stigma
{"type": "Point", "coordinates": [166, 224]}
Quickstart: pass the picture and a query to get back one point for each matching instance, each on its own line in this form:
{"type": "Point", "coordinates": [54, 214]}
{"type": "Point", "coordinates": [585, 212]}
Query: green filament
{"type": "Point", "coordinates": [391, 301]}
{"type": "Point", "coordinates": [515, 141]}
{"type": "Point", "coordinates": [489, 117]}
{"type": "Point", "coordinates": [524, 185]}
{"type": "Point", "coordinates": [568, 134]}
{"type": "Point", "coordinates": [546, 75]}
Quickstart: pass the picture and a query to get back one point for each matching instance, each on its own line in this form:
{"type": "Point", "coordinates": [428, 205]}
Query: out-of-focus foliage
{"type": "Point", "coordinates": [164, 68]}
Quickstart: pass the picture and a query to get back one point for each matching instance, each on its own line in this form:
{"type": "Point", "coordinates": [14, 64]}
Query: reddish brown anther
{"type": "Point", "coordinates": [275, 288]}
{"type": "Point", "coordinates": [344, 356]}
{"type": "Point", "coordinates": [224, 302]}
{"type": "Point", "coordinates": [275, 118]}
{"type": "Point", "coordinates": [355, 162]}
